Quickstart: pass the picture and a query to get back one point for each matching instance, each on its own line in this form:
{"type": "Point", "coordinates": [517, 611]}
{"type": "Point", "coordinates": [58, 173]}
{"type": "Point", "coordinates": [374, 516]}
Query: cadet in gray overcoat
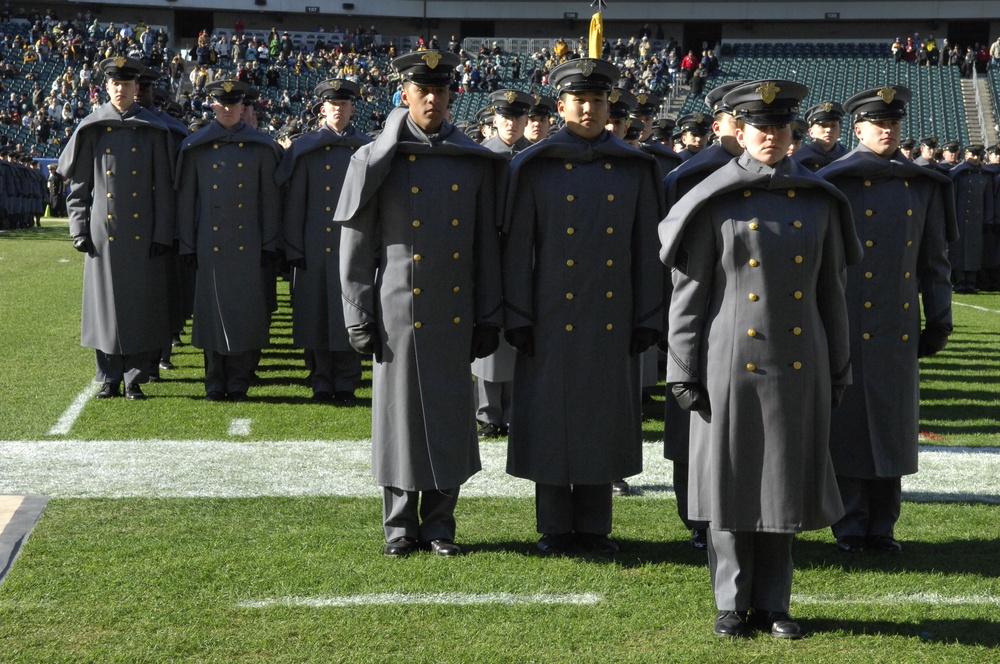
{"type": "Point", "coordinates": [420, 273]}
{"type": "Point", "coordinates": [229, 218]}
{"type": "Point", "coordinates": [121, 213]}
{"type": "Point", "coordinates": [975, 210]}
{"type": "Point", "coordinates": [313, 170]}
{"type": "Point", "coordinates": [758, 349]}
{"type": "Point", "coordinates": [824, 130]}
{"type": "Point", "coordinates": [583, 297]}
{"type": "Point", "coordinates": [905, 217]}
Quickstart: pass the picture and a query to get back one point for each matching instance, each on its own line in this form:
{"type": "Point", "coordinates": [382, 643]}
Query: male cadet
{"type": "Point", "coordinates": [645, 110]}
{"type": "Point", "coordinates": [121, 214]}
{"type": "Point", "coordinates": [420, 272]}
{"type": "Point", "coordinates": [928, 146]}
{"type": "Point", "coordinates": [676, 421]}
{"type": "Point", "coordinates": [620, 105]}
{"type": "Point", "coordinates": [904, 217]}
{"type": "Point", "coordinates": [484, 117]}
{"type": "Point", "coordinates": [800, 128]}
{"type": "Point", "coordinates": [694, 128]}
{"type": "Point", "coordinates": [906, 147]}
{"type": "Point", "coordinates": [229, 219]}
{"type": "Point", "coordinates": [949, 154]}
{"type": "Point", "coordinates": [824, 130]}
{"type": "Point", "coordinates": [975, 210]}
{"type": "Point", "coordinates": [583, 296]}
{"type": "Point", "coordinates": [663, 132]}
{"type": "Point", "coordinates": [312, 172]}
{"type": "Point", "coordinates": [539, 118]}
{"type": "Point", "coordinates": [495, 373]}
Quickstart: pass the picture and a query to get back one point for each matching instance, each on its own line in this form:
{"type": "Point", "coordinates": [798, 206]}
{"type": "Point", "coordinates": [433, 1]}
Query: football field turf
{"type": "Point", "coordinates": [178, 529]}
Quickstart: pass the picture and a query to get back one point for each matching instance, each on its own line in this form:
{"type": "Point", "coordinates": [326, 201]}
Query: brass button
{"type": "Point", "coordinates": [416, 291]}
{"type": "Point", "coordinates": [791, 193]}
{"type": "Point", "coordinates": [569, 167]}
{"type": "Point", "coordinates": [869, 243]}
{"type": "Point", "coordinates": [609, 294]}
{"type": "Point", "coordinates": [215, 228]}
{"type": "Point", "coordinates": [329, 249]}
{"type": "Point", "coordinates": [869, 213]}
{"type": "Point", "coordinates": [108, 151]}
{"type": "Point", "coordinates": [905, 337]}
{"type": "Point", "coordinates": [569, 328]}
{"type": "Point", "coordinates": [747, 193]}
{"type": "Point", "coordinates": [751, 332]}
{"type": "Point", "coordinates": [416, 223]}
{"type": "Point", "coordinates": [135, 216]}
{"type": "Point", "coordinates": [609, 230]}
{"type": "Point", "coordinates": [137, 237]}
{"type": "Point", "coordinates": [610, 263]}
{"type": "Point", "coordinates": [241, 145]}
{"type": "Point", "coordinates": [108, 172]}
{"type": "Point", "coordinates": [753, 262]}
{"type": "Point", "coordinates": [796, 365]}
{"type": "Point", "coordinates": [328, 187]}
{"type": "Point", "coordinates": [569, 231]}
{"type": "Point", "coordinates": [454, 222]}
{"type": "Point", "coordinates": [753, 297]}
{"type": "Point", "coordinates": [906, 183]}
{"type": "Point", "coordinates": [240, 165]}
{"type": "Point", "coordinates": [215, 248]}
{"type": "Point", "coordinates": [570, 198]}
{"type": "Point", "coordinates": [135, 172]}
{"type": "Point", "coordinates": [797, 295]}
{"type": "Point", "coordinates": [751, 366]}
{"type": "Point", "coordinates": [906, 275]}
{"type": "Point", "coordinates": [799, 259]}
{"type": "Point", "coordinates": [215, 186]}
{"type": "Point", "coordinates": [609, 327]}
{"type": "Point", "coordinates": [611, 197]}
{"type": "Point", "coordinates": [455, 255]}
{"type": "Point", "coordinates": [868, 183]}
{"type": "Point", "coordinates": [909, 243]}
{"type": "Point", "coordinates": [215, 146]}
{"type": "Point", "coordinates": [328, 167]}
{"type": "Point", "coordinates": [109, 195]}
{"type": "Point", "coordinates": [796, 331]}
{"type": "Point", "coordinates": [754, 225]}
{"type": "Point", "coordinates": [239, 186]}
{"type": "Point", "coordinates": [329, 229]}
{"type": "Point", "coordinates": [414, 190]}
{"type": "Point", "coordinates": [328, 148]}
{"type": "Point", "coordinates": [456, 289]}
{"type": "Point", "coordinates": [868, 305]}
{"type": "Point", "coordinates": [866, 336]}
{"type": "Point", "coordinates": [909, 213]}
{"type": "Point", "coordinates": [135, 194]}
{"type": "Point", "coordinates": [869, 275]}
{"type": "Point", "coordinates": [111, 238]}
{"type": "Point", "coordinates": [570, 263]}
{"type": "Point", "coordinates": [454, 187]}
{"type": "Point", "coordinates": [417, 325]}
{"type": "Point", "coordinates": [413, 157]}
{"type": "Point", "coordinates": [569, 296]}
{"type": "Point", "coordinates": [241, 248]}
{"type": "Point", "coordinates": [135, 150]}
{"type": "Point", "coordinates": [109, 128]}
{"type": "Point", "coordinates": [239, 205]}
{"type": "Point", "coordinates": [216, 166]}
{"type": "Point", "coordinates": [110, 217]}
{"type": "Point", "coordinates": [417, 257]}
{"type": "Point", "coordinates": [457, 320]}
{"type": "Point", "coordinates": [797, 223]}
{"type": "Point", "coordinates": [607, 166]}
{"type": "Point", "coordinates": [906, 305]}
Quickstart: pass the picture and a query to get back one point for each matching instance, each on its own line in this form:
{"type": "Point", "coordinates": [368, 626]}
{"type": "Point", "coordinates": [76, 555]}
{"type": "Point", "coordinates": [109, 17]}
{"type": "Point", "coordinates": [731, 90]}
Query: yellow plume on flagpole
{"type": "Point", "coordinates": [596, 35]}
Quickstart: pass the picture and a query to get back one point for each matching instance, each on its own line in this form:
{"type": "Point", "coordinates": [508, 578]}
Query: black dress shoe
{"type": "Point", "coordinates": [238, 396]}
{"type": "Point", "coordinates": [167, 365]}
{"type": "Point", "coordinates": [175, 341]}
{"type": "Point", "coordinates": [596, 543]}
{"type": "Point", "coordinates": [778, 623]}
{"type": "Point", "coordinates": [731, 624]}
{"type": "Point", "coordinates": [215, 395]}
{"type": "Point", "coordinates": [555, 545]}
{"type": "Point", "coordinates": [133, 392]}
{"type": "Point", "coordinates": [883, 544]}
{"type": "Point", "coordinates": [489, 431]}
{"type": "Point", "coordinates": [620, 488]}
{"type": "Point", "coordinates": [155, 378]}
{"type": "Point", "coordinates": [325, 397]}
{"type": "Point", "coordinates": [399, 547]}
{"type": "Point", "coordinates": [345, 397]}
{"type": "Point", "coordinates": [444, 547]}
{"type": "Point", "coordinates": [109, 390]}
{"type": "Point", "coordinates": [851, 544]}
{"type": "Point", "coordinates": [699, 539]}
{"type": "Point", "coordinates": [503, 430]}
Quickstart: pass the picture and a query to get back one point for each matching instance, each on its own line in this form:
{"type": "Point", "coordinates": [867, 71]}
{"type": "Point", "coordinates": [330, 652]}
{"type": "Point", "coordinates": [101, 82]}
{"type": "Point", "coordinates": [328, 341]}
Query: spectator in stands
{"type": "Point", "coordinates": [454, 45]}
{"type": "Point", "coordinates": [688, 66]}
{"type": "Point", "coordinates": [995, 51]}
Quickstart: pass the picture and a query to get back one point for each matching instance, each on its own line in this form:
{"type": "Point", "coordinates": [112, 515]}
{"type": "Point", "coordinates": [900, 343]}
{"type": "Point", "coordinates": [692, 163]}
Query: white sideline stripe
{"type": "Point", "coordinates": [240, 426]}
{"type": "Point", "coordinates": [68, 418]}
{"type": "Point", "coordinates": [245, 469]}
{"type": "Point", "coordinates": [898, 599]}
{"type": "Point", "coordinates": [396, 599]}
{"type": "Point", "coordinates": [976, 307]}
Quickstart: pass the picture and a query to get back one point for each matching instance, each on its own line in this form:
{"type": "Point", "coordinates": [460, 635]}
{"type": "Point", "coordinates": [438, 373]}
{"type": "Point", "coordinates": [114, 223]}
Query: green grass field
{"type": "Point", "coordinates": [282, 579]}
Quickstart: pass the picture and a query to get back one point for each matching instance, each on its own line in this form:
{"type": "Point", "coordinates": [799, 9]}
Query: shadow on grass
{"type": "Point", "coordinates": [965, 632]}
{"type": "Point", "coordinates": [959, 556]}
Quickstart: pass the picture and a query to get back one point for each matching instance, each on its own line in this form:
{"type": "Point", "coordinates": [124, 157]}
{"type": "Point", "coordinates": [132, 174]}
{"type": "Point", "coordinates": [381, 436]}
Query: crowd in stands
{"type": "Point", "coordinates": [927, 52]}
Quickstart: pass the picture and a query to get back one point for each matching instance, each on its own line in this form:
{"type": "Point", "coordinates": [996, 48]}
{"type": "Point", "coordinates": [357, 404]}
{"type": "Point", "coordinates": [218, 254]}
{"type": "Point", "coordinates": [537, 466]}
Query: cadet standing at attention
{"type": "Point", "coordinates": [420, 272]}
{"type": "Point", "coordinates": [824, 130]}
{"type": "Point", "coordinates": [121, 214]}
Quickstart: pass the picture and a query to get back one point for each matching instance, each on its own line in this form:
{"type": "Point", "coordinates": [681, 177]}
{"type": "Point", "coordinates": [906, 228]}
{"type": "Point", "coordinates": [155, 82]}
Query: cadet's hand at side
{"type": "Point", "coordinates": [485, 340]}
{"type": "Point", "coordinates": [522, 339]}
{"type": "Point", "coordinates": [642, 339]}
{"type": "Point", "coordinates": [691, 396]}
{"type": "Point", "coordinates": [364, 339]}
{"type": "Point", "coordinates": [83, 244]}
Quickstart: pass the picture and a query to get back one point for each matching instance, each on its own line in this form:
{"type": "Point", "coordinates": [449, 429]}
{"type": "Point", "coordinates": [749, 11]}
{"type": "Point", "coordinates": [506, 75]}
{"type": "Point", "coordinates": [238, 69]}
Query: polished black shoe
{"type": "Point", "coordinates": [620, 488]}
{"type": "Point", "coordinates": [489, 431]}
{"type": "Point", "coordinates": [444, 547]}
{"type": "Point", "coordinates": [155, 378]}
{"type": "Point", "coordinates": [555, 545]}
{"type": "Point", "coordinates": [883, 544]}
{"type": "Point", "coordinates": [238, 396]}
{"type": "Point", "coordinates": [133, 392]}
{"type": "Point", "coordinates": [325, 397]}
{"type": "Point", "coordinates": [109, 390]}
{"type": "Point", "coordinates": [399, 547]}
{"type": "Point", "coordinates": [851, 544]}
{"type": "Point", "coordinates": [699, 539]}
{"type": "Point", "coordinates": [596, 543]}
{"type": "Point", "coordinates": [345, 397]}
{"type": "Point", "coordinates": [167, 365]}
{"type": "Point", "coordinates": [175, 341]}
{"type": "Point", "coordinates": [731, 624]}
{"type": "Point", "coordinates": [504, 430]}
{"type": "Point", "coordinates": [215, 396]}
{"type": "Point", "coordinates": [778, 623]}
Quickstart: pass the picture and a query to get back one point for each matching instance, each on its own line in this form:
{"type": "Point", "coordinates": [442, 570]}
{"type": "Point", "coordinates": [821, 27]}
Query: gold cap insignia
{"type": "Point", "coordinates": [642, 99]}
{"type": "Point", "coordinates": [228, 86]}
{"type": "Point", "coordinates": [510, 96]}
{"type": "Point", "coordinates": [586, 67]}
{"type": "Point", "coordinates": [615, 96]}
{"type": "Point", "coordinates": [432, 59]}
{"type": "Point", "coordinates": [335, 85]}
{"type": "Point", "coordinates": [888, 93]}
{"type": "Point", "coordinates": [120, 61]}
{"type": "Point", "coordinates": [828, 106]}
{"type": "Point", "coordinates": [767, 91]}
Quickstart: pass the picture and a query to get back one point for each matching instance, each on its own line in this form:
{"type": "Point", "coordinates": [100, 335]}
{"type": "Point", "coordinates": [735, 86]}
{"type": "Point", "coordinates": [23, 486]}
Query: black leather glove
{"type": "Point", "coordinates": [522, 339]}
{"type": "Point", "coordinates": [83, 244]}
{"type": "Point", "coordinates": [268, 258]}
{"type": "Point", "coordinates": [156, 249]}
{"type": "Point", "coordinates": [190, 260]}
{"type": "Point", "coordinates": [837, 395]}
{"type": "Point", "coordinates": [642, 339]}
{"type": "Point", "coordinates": [364, 339]}
{"type": "Point", "coordinates": [485, 340]}
{"type": "Point", "coordinates": [691, 396]}
{"type": "Point", "coordinates": [931, 342]}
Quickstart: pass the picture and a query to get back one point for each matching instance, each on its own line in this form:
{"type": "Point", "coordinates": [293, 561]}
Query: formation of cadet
{"type": "Point", "coordinates": [421, 249]}
{"type": "Point", "coordinates": [24, 191]}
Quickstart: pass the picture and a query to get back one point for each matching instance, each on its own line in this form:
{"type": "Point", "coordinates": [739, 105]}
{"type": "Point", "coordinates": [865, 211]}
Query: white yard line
{"type": "Point", "coordinates": [975, 306]}
{"type": "Point", "coordinates": [237, 468]}
{"type": "Point", "coordinates": [396, 599]}
{"type": "Point", "coordinates": [68, 418]}
{"type": "Point", "coordinates": [240, 426]}
{"type": "Point", "coordinates": [899, 599]}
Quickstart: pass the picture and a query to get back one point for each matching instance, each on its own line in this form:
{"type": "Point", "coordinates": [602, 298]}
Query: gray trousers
{"type": "Point", "coordinates": [871, 506]}
{"type": "Point", "coordinates": [335, 371]}
{"type": "Point", "coordinates": [494, 402]}
{"type": "Point", "coordinates": [750, 570]}
{"type": "Point", "coordinates": [132, 368]}
{"type": "Point", "coordinates": [229, 373]}
{"type": "Point", "coordinates": [681, 491]}
{"type": "Point", "coordinates": [579, 508]}
{"type": "Point", "coordinates": [419, 515]}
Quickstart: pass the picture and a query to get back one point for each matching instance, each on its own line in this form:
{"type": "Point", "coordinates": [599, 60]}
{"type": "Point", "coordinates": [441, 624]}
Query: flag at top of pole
{"type": "Point", "coordinates": [597, 29]}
